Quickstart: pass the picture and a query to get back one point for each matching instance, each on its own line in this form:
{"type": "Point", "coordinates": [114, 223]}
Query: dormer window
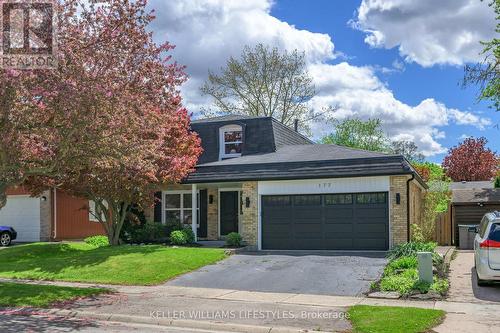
{"type": "Point", "coordinates": [231, 141]}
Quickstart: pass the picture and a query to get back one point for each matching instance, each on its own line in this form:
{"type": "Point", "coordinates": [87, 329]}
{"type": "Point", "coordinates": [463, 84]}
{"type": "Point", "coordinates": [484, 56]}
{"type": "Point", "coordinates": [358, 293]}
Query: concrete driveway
{"type": "Point", "coordinates": [463, 284]}
{"type": "Point", "coordinates": [347, 274]}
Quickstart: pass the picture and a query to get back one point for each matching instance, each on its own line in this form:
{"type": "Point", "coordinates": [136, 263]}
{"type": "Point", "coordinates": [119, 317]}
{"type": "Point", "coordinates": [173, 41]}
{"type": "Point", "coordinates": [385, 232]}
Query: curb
{"type": "Point", "coordinates": [180, 323]}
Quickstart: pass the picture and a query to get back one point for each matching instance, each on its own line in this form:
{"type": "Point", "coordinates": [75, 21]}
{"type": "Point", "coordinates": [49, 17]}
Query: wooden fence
{"type": "Point", "coordinates": [443, 229]}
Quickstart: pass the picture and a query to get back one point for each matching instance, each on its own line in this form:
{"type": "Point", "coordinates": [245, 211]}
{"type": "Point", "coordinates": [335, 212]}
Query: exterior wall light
{"type": "Point", "coordinates": [398, 198]}
{"type": "Point", "coordinates": [247, 202]}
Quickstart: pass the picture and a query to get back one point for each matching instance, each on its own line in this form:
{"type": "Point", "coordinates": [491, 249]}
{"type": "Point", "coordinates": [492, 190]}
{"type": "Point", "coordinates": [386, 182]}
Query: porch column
{"type": "Point", "coordinates": [194, 211]}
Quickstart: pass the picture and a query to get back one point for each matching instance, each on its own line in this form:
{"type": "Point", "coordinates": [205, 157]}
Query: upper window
{"type": "Point", "coordinates": [231, 141]}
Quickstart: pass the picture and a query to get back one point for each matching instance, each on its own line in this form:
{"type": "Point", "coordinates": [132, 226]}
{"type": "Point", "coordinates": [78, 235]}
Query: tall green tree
{"type": "Point", "coordinates": [486, 73]}
{"type": "Point", "coordinates": [263, 82]}
{"type": "Point", "coordinates": [408, 149]}
{"type": "Point", "coordinates": [356, 133]}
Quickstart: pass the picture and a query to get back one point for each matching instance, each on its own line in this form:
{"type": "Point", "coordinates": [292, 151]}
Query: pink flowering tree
{"type": "Point", "coordinates": [116, 129]}
{"type": "Point", "coordinates": [139, 123]}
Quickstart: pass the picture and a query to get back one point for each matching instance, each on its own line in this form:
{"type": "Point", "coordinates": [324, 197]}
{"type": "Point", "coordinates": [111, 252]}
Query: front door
{"type": "Point", "coordinates": [228, 212]}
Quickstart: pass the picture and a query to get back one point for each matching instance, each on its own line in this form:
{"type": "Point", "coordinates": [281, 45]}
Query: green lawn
{"type": "Point", "coordinates": [127, 265]}
{"type": "Point", "coordinates": [18, 294]}
{"type": "Point", "coordinates": [392, 319]}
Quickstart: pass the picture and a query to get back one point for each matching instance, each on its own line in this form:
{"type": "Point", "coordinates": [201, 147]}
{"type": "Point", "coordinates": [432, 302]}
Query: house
{"type": "Point", "coordinates": [266, 181]}
{"type": "Point", "coordinates": [281, 191]}
{"type": "Point", "coordinates": [54, 215]}
{"type": "Point", "coordinates": [470, 201]}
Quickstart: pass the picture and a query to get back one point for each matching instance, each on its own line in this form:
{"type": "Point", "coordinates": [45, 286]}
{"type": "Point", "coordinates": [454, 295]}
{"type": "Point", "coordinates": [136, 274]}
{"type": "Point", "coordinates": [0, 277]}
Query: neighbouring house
{"type": "Point", "coordinates": [470, 201]}
{"type": "Point", "coordinates": [279, 190]}
{"type": "Point", "coordinates": [54, 215]}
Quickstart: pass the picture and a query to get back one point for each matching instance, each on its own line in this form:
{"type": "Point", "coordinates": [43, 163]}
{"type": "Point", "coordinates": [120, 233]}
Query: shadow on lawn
{"type": "Point", "coordinates": [28, 323]}
{"type": "Point", "coordinates": [52, 258]}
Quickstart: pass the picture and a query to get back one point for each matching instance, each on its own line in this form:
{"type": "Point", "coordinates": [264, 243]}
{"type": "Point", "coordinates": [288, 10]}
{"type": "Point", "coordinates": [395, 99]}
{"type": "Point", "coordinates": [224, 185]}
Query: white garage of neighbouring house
{"type": "Point", "coordinates": [28, 216]}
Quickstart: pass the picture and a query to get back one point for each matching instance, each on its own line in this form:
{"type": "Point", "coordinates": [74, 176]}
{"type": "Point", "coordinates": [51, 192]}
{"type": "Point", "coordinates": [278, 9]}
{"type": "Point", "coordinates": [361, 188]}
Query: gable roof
{"type": "Point", "coordinates": [475, 195]}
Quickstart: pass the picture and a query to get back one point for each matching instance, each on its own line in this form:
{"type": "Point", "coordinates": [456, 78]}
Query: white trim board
{"type": "Point", "coordinates": [327, 185]}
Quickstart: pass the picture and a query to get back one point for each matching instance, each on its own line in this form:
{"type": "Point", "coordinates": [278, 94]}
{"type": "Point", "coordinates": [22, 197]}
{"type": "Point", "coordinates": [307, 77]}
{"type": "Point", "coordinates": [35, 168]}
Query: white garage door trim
{"type": "Point", "coordinates": [322, 186]}
{"type": "Point", "coordinates": [22, 212]}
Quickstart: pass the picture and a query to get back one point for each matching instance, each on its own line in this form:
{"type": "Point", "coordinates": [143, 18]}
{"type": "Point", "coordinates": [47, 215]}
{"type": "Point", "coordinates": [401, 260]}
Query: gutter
{"type": "Point", "coordinates": [408, 207]}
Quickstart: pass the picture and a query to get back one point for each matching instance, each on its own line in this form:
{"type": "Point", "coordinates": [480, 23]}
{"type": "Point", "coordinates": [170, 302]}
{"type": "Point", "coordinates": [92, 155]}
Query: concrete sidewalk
{"type": "Point", "coordinates": [253, 311]}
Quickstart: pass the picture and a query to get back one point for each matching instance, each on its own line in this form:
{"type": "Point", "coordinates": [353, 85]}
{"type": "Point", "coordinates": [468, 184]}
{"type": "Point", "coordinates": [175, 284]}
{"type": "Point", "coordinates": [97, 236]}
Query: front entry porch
{"type": "Point", "coordinates": [212, 210]}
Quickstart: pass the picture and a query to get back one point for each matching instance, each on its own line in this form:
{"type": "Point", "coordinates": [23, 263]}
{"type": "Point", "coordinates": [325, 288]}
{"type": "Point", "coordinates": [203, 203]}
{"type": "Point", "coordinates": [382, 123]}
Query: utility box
{"type": "Point", "coordinates": [425, 267]}
{"type": "Point", "coordinates": [466, 235]}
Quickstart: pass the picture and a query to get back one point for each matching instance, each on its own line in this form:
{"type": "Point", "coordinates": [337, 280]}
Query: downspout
{"type": "Point", "coordinates": [408, 206]}
{"type": "Point", "coordinates": [55, 213]}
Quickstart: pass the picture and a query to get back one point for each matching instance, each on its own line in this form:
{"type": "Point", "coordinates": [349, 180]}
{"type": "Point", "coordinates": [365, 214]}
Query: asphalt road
{"type": "Point", "coordinates": [332, 273]}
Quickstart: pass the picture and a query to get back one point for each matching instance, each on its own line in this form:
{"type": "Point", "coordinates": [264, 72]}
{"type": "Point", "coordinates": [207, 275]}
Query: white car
{"type": "Point", "coordinates": [487, 249]}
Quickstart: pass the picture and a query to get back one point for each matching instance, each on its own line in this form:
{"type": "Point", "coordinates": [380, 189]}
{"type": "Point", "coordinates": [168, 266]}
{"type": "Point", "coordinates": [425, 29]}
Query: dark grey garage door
{"type": "Point", "coordinates": [357, 221]}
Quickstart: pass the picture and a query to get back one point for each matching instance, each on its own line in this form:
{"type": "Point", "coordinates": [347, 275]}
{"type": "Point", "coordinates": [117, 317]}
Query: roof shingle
{"type": "Point", "coordinates": [490, 195]}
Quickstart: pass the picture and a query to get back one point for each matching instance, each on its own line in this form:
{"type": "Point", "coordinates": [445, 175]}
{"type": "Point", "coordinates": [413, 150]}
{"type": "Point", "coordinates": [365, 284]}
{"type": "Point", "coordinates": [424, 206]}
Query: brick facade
{"type": "Point", "coordinates": [249, 220]}
{"type": "Point", "coordinates": [213, 214]}
{"type": "Point", "coordinates": [398, 212]}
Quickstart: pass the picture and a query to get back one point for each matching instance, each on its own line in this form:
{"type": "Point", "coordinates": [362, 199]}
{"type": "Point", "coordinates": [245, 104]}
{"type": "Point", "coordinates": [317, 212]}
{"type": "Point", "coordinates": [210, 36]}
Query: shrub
{"type": "Point", "coordinates": [416, 233]}
{"type": "Point", "coordinates": [178, 237]}
{"type": "Point", "coordinates": [172, 225]}
{"type": "Point", "coordinates": [97, 241]}
{"type": "Point", "coordinates": [401, 264]}
{"type": "Point", "coordinates": [410, 249]}
{"type": "Point", "coordinates": [402, 283]}
{"type": "Point", "coordinates": [422, 287]}
{"type": "Point", "coordinates": [497, 182]}
{"type": "Point", "coordinates": [188, 234]}
{"type": "Point", "coordinates": [233, 239]}
{"type": "Point", "coordinates": [435, 201]}
{"type": "Point", "coordinates": [440, 286]}
{"type": "Point", "coordinates": [149, 232]}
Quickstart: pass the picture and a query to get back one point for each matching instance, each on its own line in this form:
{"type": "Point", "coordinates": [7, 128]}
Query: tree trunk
{"type": "Point", "coordinates": [117, 213]}
{"type": "Point", "coordinates": [3, 195]}
{"type": "Point", "coordinates": [3, 199]}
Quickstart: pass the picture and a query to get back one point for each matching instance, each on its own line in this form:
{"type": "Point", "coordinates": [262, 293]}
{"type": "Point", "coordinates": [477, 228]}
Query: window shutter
{"type": "Point", "coordinates": [157, 209]}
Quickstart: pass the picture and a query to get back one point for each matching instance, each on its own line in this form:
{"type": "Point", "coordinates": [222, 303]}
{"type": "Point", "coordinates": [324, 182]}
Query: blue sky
{"type": "Point", "coordinates": [398, 60]}
{"type": "Point", "coordinates": [415, 83]}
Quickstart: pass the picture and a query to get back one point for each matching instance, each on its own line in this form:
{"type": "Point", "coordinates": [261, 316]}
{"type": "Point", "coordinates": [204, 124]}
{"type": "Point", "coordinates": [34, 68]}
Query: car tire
{"type": "Point", "coordinates": [481, 283]}
{"type": "Point", "coordinates": [5, 239]}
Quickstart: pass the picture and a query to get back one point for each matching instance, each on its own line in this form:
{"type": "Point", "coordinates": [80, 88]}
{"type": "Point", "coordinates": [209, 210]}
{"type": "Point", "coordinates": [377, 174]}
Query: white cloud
{"type": "Point", "coordinates": [358, 92]}
{"type": "Point", "coordinates": [207, 32]}
{"type": "Point", "coordinates": [427, 31]}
